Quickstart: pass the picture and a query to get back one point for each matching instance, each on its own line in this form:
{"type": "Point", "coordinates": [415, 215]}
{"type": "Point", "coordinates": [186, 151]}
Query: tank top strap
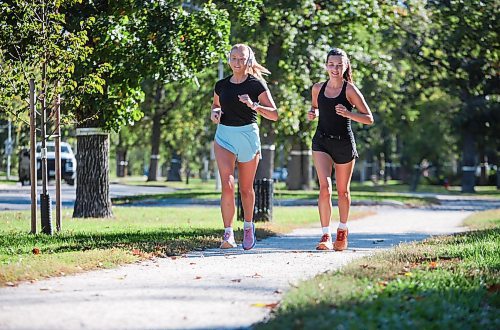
{"type": "Point", "coordinates": [344, 88]}
{"type": "Point", "coordinates": [322, 90]}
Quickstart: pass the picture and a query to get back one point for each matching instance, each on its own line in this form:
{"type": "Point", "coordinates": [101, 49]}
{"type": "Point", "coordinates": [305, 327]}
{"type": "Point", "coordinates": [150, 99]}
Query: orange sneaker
{"type": "Point", "coordinates": [340, 243]}
{"type": "Point", "coordinates": [325, 243]}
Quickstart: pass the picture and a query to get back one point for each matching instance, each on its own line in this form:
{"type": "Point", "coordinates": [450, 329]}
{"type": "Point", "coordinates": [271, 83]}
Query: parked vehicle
{"type": "Point", "coordinates": [280, 174]}
{"type": "Point", "coordinates": [68, 163]}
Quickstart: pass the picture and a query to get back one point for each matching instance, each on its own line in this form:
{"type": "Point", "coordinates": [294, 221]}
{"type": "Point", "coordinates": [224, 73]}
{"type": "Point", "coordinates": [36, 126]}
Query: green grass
{"type": "Point", "coordinates": [133, 234]}
{"type": "Point", "coordinates": [206, 190]}
{"type": "Point", "coordinates": [392, 186]}
{"type": "Point", "coordinates": [483, 220]}
{"type": "Point", "coordinates": [398, 187]}
{"type": "Point", "coordinates": [437, 284]}
{"type": "Point", "coordinates": [392, 191]}
{"type": "Point", "coordinates": [7, 182]}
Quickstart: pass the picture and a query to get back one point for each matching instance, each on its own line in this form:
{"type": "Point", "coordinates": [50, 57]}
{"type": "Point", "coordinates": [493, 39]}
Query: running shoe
{"type": "Point", "coordinates": [325, 243]}
{"type": "Point", "coordinates": [249, 238]}
{"type": "Point", "coordinates": [228, 241]}
{"type": "Point", "coordinates": [340, 243]}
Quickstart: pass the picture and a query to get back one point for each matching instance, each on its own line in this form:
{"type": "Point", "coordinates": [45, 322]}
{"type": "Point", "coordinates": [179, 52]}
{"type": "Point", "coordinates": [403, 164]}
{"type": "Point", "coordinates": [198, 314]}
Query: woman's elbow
{"type": "Point", "coordinates": [274, 116]}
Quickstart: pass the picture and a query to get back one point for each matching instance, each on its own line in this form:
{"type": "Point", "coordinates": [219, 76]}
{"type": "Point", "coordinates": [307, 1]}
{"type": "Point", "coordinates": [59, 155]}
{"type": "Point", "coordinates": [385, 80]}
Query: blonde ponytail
{"type": "Point", "coordinates": [258, 70]}
{"type": "Point", "coordinates": [253, 67]}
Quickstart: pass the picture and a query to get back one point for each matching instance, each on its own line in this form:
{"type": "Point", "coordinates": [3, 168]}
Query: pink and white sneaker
{"type": "Point", "coordinates": [249, 238]}
{"type": "Point", "coordinates": [228, 241]}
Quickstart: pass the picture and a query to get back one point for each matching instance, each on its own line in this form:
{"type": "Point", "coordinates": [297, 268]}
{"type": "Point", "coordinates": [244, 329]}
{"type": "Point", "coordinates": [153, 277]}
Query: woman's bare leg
{"type": "Point", "coordinates": [343, 174]}
{"type": "Point", "coordinates": [226, 161]}
{"type": "Point", "coordinates": [246, 176]}
{"type": "Point", "coordinates": [323, 163]}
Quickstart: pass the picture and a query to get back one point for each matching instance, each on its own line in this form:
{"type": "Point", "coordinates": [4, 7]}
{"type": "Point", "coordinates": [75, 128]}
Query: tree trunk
{"type": "Point", "coordinates": [156, 135]}
{"type": "Point", "coordinates": [417, 172]}
{"type": "Point", "coordinates": [468, 162]}
{"type": "Point", "coordinates": [121, 162]}
{"type": "Point", "coordinates": [267, 135]}
{"type": "Point", "coordinates": [121, 157]}
{"type": "Point", "coordinates": [483, 179]}
{"type": "Point", "coordinates": [92, 189]}
{"type": "Point", "coordinates": [174, 172]}
{"type": "Point", "coordinates": [266, 164]}
{"type": "Point", "coordinates": [299, 167]}
{"type": "Point", "coordinates": [498, 177]}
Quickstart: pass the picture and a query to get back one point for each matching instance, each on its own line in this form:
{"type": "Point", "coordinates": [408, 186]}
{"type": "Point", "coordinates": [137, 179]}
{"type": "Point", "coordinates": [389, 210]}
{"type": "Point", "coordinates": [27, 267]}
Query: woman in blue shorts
{"type": "Point", "coordinates": [238, 99]}
{"type": "Point", "coordinates": [333, 143]}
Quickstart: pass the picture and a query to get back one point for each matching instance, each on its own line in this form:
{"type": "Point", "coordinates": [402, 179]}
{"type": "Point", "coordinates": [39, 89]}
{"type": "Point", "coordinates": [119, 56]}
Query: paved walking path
{"type": "Point", "coordinates": [209, 289]}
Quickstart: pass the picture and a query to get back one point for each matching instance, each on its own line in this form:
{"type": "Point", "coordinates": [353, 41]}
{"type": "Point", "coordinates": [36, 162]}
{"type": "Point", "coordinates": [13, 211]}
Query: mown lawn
{"type": "Point", "coordinates": [366, 187]}
{"type": "Point", "coordinates": [367, 191]}
{"type": "Point", "coordinates": [442, 283]}
{"type": "Point", "coordinates": [134, 234]}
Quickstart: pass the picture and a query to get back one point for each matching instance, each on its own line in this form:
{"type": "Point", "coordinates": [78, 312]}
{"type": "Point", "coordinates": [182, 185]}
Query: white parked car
{"type": "Point", "coordinates": [68, 163]}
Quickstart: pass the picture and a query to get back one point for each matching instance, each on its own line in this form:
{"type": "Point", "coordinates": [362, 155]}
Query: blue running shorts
{"type": "Point", "coordinates": [243, 141]}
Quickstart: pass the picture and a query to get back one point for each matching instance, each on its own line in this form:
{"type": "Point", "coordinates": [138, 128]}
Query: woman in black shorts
{"type": "Point", "coordinates": [333, 143]}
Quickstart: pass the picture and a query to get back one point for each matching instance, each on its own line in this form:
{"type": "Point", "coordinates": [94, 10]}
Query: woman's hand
{"type": "Point", "coordinates": [215, 115]}
{"type": "Point", "coordinates": [312, 114]}
{"type": "Point", "coordinates": [245, 98]}
{"type": "Point", "coordinates": [342, 111]}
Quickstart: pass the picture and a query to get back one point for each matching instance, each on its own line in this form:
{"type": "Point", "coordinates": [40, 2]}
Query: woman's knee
{"type": "Point", "coordinates": [325, 188]}
{"type": "Point", "coordinates": [227, 183]}
{"type": "Point", "coordinates": [246, 192]}
{"type": "Point", "coordinates": [344, 194]}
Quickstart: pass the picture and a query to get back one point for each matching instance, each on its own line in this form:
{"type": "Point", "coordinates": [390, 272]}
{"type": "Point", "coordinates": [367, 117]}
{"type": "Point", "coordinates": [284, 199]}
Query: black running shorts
{"type": "Point", "coordinates": [341, 148]}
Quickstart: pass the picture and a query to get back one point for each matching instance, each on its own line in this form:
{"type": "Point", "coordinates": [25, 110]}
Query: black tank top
{"type": "Point", "coordinates": [329, 121]}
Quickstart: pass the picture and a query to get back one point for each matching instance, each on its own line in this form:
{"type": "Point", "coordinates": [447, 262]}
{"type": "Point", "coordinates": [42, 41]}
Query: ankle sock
{"type": "Point", "coordinates": [342, 226]}
{"type": "Point", "coordinates": [326, 230]}
{"type": "Point", "coordinates": [228, 230]}
{"type": "Point", "coordinates": [247, 224]}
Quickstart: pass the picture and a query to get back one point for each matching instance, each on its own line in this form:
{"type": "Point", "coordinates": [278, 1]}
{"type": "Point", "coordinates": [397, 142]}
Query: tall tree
{"type": "Point", "coordinates": [293, 38]}
{"type": "Point", "coordinates": [35, 44]}
{"type": "Point", "coordinates": [133, 41]}
{"type": "Point", "coordinates": [457, 43]}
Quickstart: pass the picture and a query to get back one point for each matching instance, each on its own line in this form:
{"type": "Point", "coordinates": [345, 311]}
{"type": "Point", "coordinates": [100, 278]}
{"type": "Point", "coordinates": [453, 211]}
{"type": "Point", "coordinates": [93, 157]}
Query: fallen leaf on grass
{"type": "Point", "coordinates": [264, 305]}
{"type": "Point", "coordinates": [365, 266]}
{"type": "Point", "coordinates": [383, 283]}
{"type": "Point", "coordinates": [433, 265]}
{"type": "Point", "coordinates": [494, 288]}
{"type": "Point", "coordinates": [36, 251]}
